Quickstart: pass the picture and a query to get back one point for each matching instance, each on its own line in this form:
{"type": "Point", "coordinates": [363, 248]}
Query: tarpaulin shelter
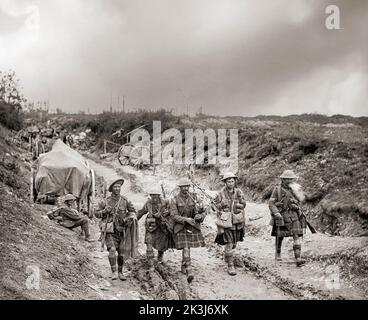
{"type": "Point", "coordinates": [62, 171]}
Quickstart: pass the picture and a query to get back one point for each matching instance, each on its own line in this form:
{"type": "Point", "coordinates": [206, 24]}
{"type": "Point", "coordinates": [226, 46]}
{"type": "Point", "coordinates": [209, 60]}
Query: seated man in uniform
{"type": "Point", "coordinates": [69, 217]}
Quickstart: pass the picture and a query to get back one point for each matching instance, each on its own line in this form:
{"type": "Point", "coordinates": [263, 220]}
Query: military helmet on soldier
{"type": "Point", "coordinates": [69, 197]}
{"type": "Point", "coordinates": [288, 174]}
{"type": "Point", "coordinates": [184, 182]}
{"type": "Point", "coordinates": [228, 175]}
{"type": "Point", "coordinates": [118, 181]}
{"type": "Point", "coordinates": [154, 190]}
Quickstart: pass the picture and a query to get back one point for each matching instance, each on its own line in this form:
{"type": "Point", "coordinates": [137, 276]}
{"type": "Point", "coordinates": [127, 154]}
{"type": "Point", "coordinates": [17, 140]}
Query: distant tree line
{"type": "Point", "coordinates": [11, 101]}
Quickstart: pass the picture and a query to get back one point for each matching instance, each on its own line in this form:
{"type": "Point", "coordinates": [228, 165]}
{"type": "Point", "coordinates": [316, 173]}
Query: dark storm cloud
{"type": "Point", "coordinates": [231, 57]}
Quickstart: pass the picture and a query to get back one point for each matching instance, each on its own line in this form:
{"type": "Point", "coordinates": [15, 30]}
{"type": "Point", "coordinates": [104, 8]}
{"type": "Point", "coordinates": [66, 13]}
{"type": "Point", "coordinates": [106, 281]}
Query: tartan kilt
{"type": "Point", "coordinates": [230, 236]}
{"type": "Point", "coordinates": [159, 240]}
{"type": "Point", "coordinates": [289, 229]}
{"type": "Point", "coordinates": [193, 239]}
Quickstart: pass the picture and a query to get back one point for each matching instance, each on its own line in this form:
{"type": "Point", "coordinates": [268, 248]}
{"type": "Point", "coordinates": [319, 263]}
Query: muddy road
{"type": "Point", "coordinates": [259, 277]}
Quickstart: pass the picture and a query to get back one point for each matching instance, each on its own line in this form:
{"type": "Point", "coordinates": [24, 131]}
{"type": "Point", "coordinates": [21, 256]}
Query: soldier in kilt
{"type": "Point", "coordinates": [286, 220]}
{"type": "Point", "coordinates": [230, 199]}
{"type": "Point", "coordinates": [159, 226]}
{"type": "Point", "coordinates": [117, 214]}
{"type": "Point", "coordinates": [188, 215]}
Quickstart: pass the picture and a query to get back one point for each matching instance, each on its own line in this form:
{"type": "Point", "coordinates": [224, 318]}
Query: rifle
{"type": "Point", "coordinates": [302, 214]}
{"type": "Point", "coordinates": [206, 195]}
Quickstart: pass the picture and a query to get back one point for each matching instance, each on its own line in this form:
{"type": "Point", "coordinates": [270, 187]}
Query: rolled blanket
{"type": "Point", "coordinates": [130, 246]}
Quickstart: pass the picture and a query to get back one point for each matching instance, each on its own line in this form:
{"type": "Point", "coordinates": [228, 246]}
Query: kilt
{"type": "Point", "coordinates": [159, 240]}
{"type": "Point", "coordinates": [115, 240]}
{"type": "Point", "coordinates": [230, 236]}
{"type": "Point", "coordinates": [192, 239]}
{"type": "Point", "coordinates": [292, 226]}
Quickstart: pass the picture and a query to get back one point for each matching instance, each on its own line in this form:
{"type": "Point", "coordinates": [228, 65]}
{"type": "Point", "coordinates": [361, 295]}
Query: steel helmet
{"type": "Point", "coordinates": [228, 175]}
{"type": "Point", "coordinates": [69, 197]}
{"type": "Point", "coordinates": [154, 190]}
{"type": "Point", "coordinates": [184, 182]}
{"type": "Point", "coordinates": [288, 174]}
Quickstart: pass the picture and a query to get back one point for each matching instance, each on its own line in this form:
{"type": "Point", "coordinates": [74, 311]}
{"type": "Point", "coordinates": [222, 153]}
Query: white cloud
{"type": "Point", "coordinates": [252, 56]}
{"type": "Point", "coordinates": [350, 96]}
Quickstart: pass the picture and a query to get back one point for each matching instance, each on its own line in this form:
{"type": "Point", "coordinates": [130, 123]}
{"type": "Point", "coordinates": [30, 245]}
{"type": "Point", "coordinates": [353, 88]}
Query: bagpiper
{"type": "Point", "coordinates": [188, 214]}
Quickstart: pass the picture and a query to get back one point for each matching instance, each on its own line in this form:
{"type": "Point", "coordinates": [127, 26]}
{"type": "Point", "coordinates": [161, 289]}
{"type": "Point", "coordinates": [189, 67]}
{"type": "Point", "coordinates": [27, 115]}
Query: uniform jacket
{"type": "Point", "coordinates": [283, 201]}
{"type": "Point", "coordinates": [158, 215]}
{"type": "Point", "coordinates": [234, 202]}
{"type": "Point", "coordinates": [182, 207]}
{"type": "Point", "coordinates": [68, 216]}
{"type": "Point", "coordinates": [117, 212]}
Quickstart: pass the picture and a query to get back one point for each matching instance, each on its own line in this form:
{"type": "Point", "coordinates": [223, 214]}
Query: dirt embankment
{"type": "Point", "coordinates": [38, 259]}
{"type": "Point", "coordinates": [331, 160]}
{"type": "Point", "coordinates": [328, 153]}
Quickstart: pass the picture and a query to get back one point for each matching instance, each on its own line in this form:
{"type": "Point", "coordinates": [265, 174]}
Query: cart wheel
{"type": "Point", "coordinates": [124, 154]}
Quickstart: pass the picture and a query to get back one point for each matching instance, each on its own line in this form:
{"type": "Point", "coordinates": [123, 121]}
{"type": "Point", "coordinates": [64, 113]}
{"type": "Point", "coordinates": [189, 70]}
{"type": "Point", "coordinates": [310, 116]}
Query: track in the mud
{"type": "Point", "coordinates": [256, 279]}
{"type": "Point", "coordinates": [167, 282]}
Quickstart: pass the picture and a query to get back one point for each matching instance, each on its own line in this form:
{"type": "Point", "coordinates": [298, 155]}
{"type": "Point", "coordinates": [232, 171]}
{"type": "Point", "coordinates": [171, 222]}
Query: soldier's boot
{"type": "Point", "coordinates": [297, 251]}
{"type": "Point", "coordinates": [160, 256]}
{"type": "Point", "coordinates": [112, 260]}
{"type": "Point", "coordinates": [188, 265]}
{"type": "Point", "coordinates": [114, 275]}
{"type": "Point", "coordinates": [230, 266]}
{"type": "Point", "coordinates": [89, 239]}
{"type": "Point", "coordinates": [150, 256]}
{"type": "Point", "coordinates": [121, 275]}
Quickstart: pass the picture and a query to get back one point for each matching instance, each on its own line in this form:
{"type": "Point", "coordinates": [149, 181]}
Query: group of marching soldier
{"type": "Point", "coordinates": [176, 223]}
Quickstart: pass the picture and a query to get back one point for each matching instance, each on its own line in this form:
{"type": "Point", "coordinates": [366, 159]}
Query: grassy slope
{"type": "Point", "coordinates": [329, 156]}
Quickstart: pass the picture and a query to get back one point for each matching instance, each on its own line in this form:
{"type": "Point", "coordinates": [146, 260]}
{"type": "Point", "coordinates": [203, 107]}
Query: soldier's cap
{"type": "Point", "coordinates": [288, 174]}
{"type": "Point", "coordinates": [184, 182]}
{"type": "Point", "coordinates": [228, 175]}
{"type": "Point", "coordinates": [69, 197]}
{"type": "Point", "coordinates": [118, 181]}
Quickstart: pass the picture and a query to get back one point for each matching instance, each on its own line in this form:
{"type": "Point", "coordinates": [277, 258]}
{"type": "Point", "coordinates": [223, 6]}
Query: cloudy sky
{"type": "Point", "coordinates": [230, 57]}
